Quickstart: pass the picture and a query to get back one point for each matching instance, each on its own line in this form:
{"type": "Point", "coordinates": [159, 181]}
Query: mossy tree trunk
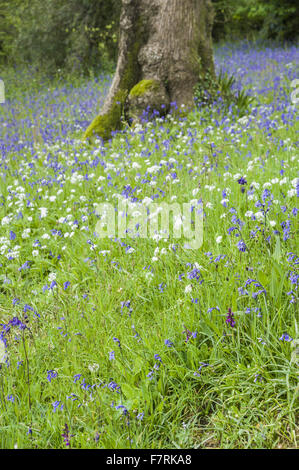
{"type": "Point", "coordinates": [165, 49]}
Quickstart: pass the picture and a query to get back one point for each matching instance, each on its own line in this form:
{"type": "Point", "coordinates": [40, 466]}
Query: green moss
{"type": "Point", "coordinates": [143, 86]}
{"type": "Point", "coordinates": [103, 124]}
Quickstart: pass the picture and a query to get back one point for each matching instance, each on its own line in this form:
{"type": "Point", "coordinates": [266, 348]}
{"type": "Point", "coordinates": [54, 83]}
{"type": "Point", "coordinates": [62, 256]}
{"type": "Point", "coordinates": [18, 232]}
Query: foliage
{"type": "Point", "coordinates": [82, 35]}
{"type": "Point", "coordinates": [71, 34]}
{"type": "Point", "coordinates": [136, 342]}
{"type": "Point", "coordinates": [221, 89]}
{"type": "Point", "coordinates": [267, 19]}
{"type": "Point", "coordinates": [144, 86]}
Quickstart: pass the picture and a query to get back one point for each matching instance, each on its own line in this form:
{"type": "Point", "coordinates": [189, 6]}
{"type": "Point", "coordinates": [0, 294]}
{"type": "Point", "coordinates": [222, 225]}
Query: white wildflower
{"type": "Point", "coordinates": [43, 212]}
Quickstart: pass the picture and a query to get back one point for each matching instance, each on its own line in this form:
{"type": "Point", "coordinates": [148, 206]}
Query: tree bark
{"type": "Point", "coordinates": [165, 50]}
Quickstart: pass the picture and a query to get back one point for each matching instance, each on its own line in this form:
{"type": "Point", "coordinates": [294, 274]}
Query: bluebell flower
{"type": "Point", "coordinates": [162, 286]}
{"type": "Point", "coordinates": [77, 377]}
{"type": "Point", "coordinates": [126, 304]}
{"type": "Point", "coordinates": [241, 246]}
{"type": "Point", "coordinates": [116, 340]}
{"type": "Point", "coordinates": [256, 294]}
{"type": "Point", "coordinates": [137, 336]}
{"type": "Point", "coordinates": [123, 408]}
{"type": "Point", "coordinates": [56, 404]}
{"type": "Point", "coordinates": [66, 285]}
{"type": "Point", "coordinates": [194, 274]}
{"type": "Point", "coordinates": [111, 356]}
{"type": "Point", "coordinates": [203, 364]}
{"type": "Point", "coordinates": [66, 435]}
{"type": "Point", "coordinates": [230, 318]}
{"type": "Point", "coordinates": [52, 374]}
{"type": "Point", "coordinates": [12, 235]}
{"type": "Point", "coordinates": [258, 377]}
{"type": "Point", "coordinates": [16, 322]}
{"type": "Point", "coordinates": [24, 266]}
{"type": "Point", "coordinates": [242, 181]}
{"type": "Point", "coordinates": [213, 308]}
{"type": "Point", "coordinates": [189, 334]}
{"type": "Point", "coordinates": [231, 229]}
{"type": "Point", "coordinates": [114, 387]}
{"type": "Point", "coordinates": [285, 337]}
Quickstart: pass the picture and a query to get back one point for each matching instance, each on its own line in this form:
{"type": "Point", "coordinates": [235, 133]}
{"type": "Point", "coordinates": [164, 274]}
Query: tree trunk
{"type": "Point", "coordinates": [165, 50]}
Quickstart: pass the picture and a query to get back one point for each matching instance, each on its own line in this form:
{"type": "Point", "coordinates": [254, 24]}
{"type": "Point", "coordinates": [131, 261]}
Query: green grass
{"type": "Point", "coordinates": [246, 397]}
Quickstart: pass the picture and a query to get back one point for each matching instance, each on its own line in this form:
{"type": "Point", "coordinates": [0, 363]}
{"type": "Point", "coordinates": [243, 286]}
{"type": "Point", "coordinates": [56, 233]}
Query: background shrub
{"type": "Point", "coordinates": [81, 35]}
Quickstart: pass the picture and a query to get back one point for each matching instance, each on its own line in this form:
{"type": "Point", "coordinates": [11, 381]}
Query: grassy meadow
{"type": "Point", "coordinates": [137, 342]}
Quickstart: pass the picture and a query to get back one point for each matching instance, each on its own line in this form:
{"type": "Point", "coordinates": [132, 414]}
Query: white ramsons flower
{"type": "Point", "coordinates": [43, 212]}
{"type": "Point", "coordinates": [52, 277]}
{"type": "Point", "coordinates": [248, 214]}
{"type": "Point", "coordinates": [26, 233]}
{"type": "Point", "coordinates": [283, 181]}
{"type": "Point", "coordinates": [5, 220]}
{"type": "Point", "coordinates": [259, 215]}
{"type": "Point", "coordinates": [295, 182]}
{"type": "Point", "coordinates": [2, 352]}
{"type": "Point", "coordinates": [243, 120]}
{"type": "Point", "coordinates": [147, 201]}
{"type": "Point", "coordinates": [93, 367]}
{"type": "Point", "coordinates": [178, 222]}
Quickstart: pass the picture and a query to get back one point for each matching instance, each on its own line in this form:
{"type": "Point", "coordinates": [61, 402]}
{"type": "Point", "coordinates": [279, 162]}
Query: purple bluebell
{"type": "Point", "coordinates": [111, 355]}
{"type": "Point", "coordinates": [230, 318]}
{"type": "Point", "coordinates": [51, 374]}
{"type": "Point", "coordinates": [286, 337]}
{"type": "Point", "coordinates": [242, 181]}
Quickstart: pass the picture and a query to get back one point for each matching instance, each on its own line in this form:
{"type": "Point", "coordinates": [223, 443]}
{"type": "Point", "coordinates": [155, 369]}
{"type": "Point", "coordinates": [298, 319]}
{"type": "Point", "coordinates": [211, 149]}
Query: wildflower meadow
{"type": "Point", "coordinates": [131, 341]}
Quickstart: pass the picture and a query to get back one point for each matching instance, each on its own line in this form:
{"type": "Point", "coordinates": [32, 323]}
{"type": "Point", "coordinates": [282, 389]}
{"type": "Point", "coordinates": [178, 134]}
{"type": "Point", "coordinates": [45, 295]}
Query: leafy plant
{"type": "Point", "coordinates": [222, 89]}
{"type": "Point", "coordinates": [75, 35]}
